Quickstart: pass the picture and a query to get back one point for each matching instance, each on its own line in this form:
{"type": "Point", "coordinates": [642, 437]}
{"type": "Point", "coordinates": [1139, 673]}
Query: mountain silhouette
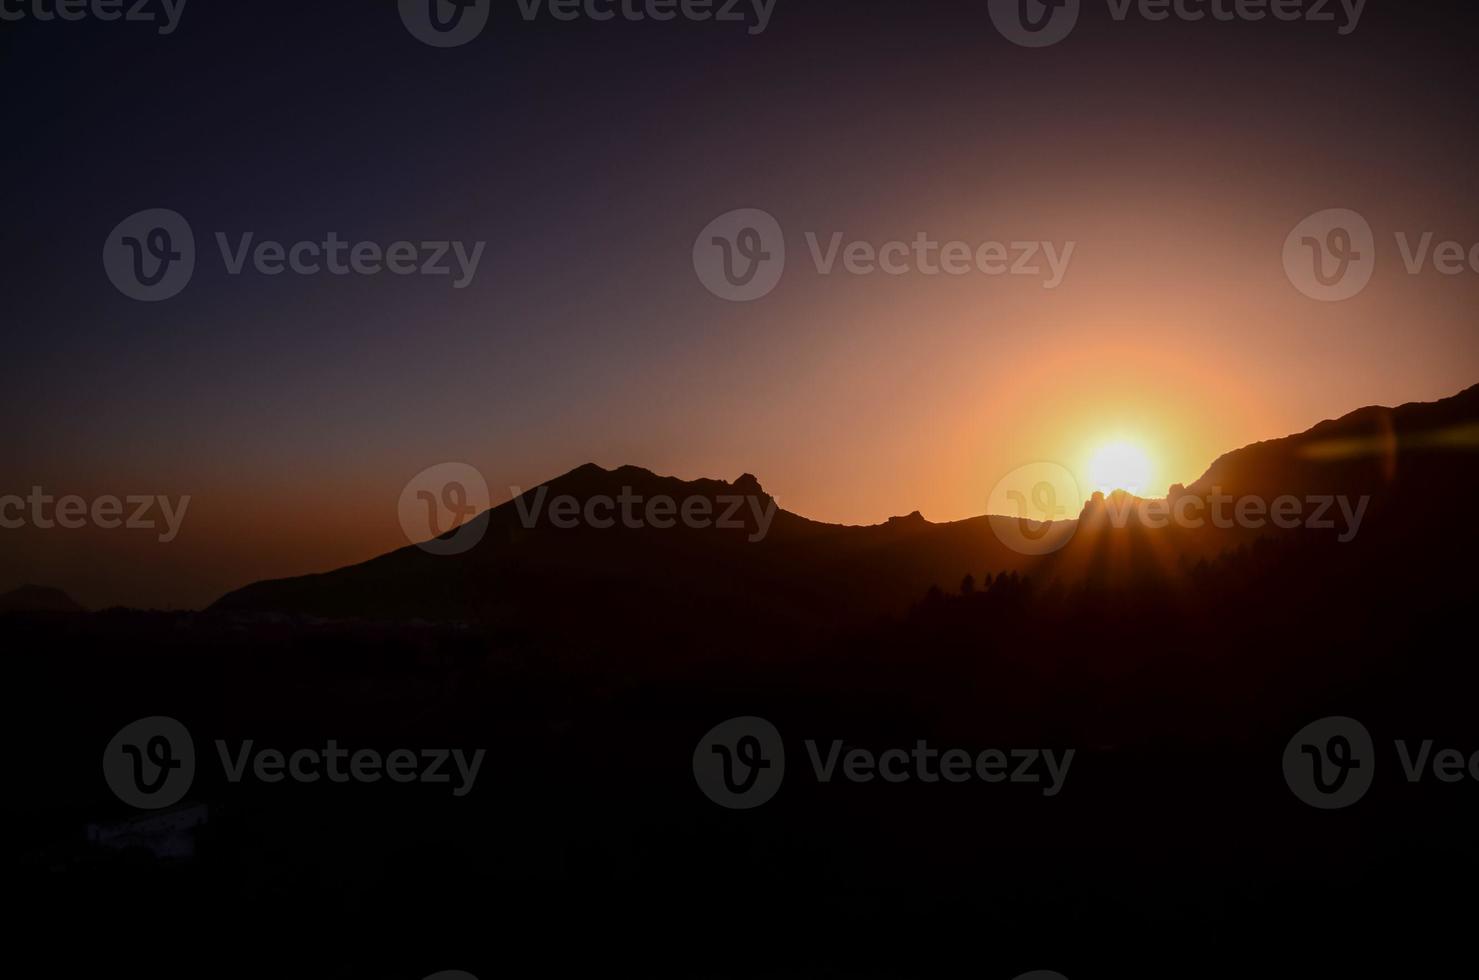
{"type": "Point", "coordinates": [791, 570]}
{"type": "Point", "coordinates": [774, 567]}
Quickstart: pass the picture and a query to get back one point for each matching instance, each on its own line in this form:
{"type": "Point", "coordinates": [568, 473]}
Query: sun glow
{"type": "Point", "coordinates": [1120, 466]}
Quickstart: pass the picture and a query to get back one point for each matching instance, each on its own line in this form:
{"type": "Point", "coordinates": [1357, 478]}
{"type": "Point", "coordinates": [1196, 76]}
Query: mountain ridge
{"type": "Point", "coordinates": [792, 568]}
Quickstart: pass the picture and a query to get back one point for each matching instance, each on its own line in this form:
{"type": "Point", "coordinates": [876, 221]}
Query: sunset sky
{"type": "Point", "coordinates": [1176, 157]}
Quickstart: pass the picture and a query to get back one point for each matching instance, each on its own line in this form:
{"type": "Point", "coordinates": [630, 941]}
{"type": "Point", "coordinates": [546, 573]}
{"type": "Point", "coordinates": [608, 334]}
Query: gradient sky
{"type": "Point", "coordinates": [1177, 156]}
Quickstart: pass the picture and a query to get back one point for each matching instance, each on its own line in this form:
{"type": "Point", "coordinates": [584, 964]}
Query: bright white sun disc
{"type": "Point", "coordinates": [1120, 466]}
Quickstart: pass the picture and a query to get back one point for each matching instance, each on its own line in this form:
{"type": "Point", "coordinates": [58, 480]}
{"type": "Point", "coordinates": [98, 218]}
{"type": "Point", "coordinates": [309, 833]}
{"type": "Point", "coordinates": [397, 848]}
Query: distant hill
{"type": "Point", "coordinates": [37, 599]}
{"type": "Point", "coordinates": [1412, 461]}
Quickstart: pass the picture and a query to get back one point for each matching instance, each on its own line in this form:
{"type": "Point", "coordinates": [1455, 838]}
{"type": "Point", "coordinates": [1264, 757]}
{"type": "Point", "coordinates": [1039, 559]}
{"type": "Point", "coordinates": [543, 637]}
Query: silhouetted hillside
{"type": "Point", "coordinates": [1420, 455]}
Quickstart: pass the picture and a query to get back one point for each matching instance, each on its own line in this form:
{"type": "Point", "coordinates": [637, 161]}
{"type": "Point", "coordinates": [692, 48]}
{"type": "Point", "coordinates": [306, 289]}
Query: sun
{"type": "Point", "coordinates": [1120, 466]}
